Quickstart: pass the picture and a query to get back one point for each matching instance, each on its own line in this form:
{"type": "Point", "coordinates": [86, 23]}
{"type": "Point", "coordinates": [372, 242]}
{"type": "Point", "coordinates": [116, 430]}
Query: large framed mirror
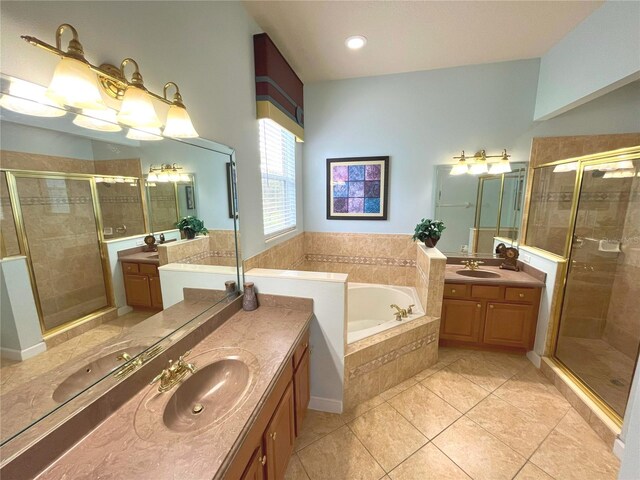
{"type": "Point", "coordinates": [78, 210]}
{"type": "Point", "coordinates": [477, 209]}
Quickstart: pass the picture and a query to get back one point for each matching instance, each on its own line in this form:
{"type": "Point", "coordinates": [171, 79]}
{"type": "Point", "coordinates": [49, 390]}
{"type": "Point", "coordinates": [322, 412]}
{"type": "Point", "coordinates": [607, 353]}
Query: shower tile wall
{"type": "Point", "coordinates": [121, 209]}
{"type": "Point", "coordinates": [60, 226]}
{"type": "Point", "coordinates": [44, 163]}
{"type": "Point", "coordinates": [162, 206]}
{"type": "Point", "coordinates": [551, 149]}
{"type": "Point", "coordinates": [217, 248]}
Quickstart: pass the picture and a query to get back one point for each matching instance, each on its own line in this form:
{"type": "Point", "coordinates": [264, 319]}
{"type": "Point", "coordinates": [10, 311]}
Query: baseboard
{"type": "Point", "coordinates": [618, 448]}
{"type": "Point", "coordinates": [325, 405]}
{"type": "Point", "coordinates": [534, 358]}
{"type": "Point", "coordinates": [124, 310]}
{"type": "Point", "coordinates": [20, 355]}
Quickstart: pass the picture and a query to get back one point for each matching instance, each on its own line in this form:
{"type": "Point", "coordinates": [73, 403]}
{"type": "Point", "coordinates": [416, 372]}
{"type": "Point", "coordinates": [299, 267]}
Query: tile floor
{"type": "Point", "coordinates": [476, 415]}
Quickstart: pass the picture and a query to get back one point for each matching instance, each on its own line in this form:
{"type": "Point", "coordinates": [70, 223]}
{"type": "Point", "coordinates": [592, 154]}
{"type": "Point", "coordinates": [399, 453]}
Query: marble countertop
{"type": "Point", "coordinates": [507, 277]}
{"type": "Point", "coordinates": [127, 446]}
{"type": "Point", "coordinates": [141, 257]}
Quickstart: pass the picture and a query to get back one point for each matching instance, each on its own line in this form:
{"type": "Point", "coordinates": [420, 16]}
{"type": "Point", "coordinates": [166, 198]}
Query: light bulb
{"type": "Point", "coordinates": [152, 177]}
{"type": "Point", "coordinates": [144, 134]}
{"type": "Point", "coordinates": [179, 123]}
{"type": "Point", "coordinates": [30, 99]}
{"type": "Point", "coordinates": [137, 110]}
{"type": "Point", "coordinates": [355, 42]}
{"type": "Point", "coordinates": [74, 84]}
{"type": "Point", "coordinates": [478, 167]}
{"type": "Point", "coordinates": [503, 166]}
{"type": "Point", "coordinates": [163, 177]}
{"type": "Point", "coordinates": [459, 168]}
{"type": "Point", "coordinates": [101, 120]}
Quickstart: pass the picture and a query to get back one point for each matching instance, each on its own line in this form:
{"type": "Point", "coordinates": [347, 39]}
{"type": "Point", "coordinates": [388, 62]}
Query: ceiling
{"type": "Point", "coordinates": [406, 36]}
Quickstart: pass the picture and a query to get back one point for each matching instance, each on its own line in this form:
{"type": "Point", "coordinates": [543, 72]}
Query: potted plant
{"type": "Point", "coordinates": [429, 231]}
{"type": "Point", "coordinates": [191, 226]}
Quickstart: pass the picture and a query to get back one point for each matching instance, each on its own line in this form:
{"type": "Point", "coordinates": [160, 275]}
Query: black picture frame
{"type": "Point", "coordinates": [190, 198]}
{"type": "Point", "coordinates": [383, 185]}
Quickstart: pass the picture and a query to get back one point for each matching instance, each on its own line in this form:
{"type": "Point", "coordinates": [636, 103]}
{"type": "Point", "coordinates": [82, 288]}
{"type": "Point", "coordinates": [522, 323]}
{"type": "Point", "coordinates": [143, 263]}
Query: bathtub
{"type": "Point", "coordinates": [369, 310]}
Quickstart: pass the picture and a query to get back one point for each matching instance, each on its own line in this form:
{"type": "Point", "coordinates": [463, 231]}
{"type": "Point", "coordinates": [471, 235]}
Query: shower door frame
{"type": "Point", "coordinates": [553, 332]}
{"type": "Point", "coordinates": [23, 242]}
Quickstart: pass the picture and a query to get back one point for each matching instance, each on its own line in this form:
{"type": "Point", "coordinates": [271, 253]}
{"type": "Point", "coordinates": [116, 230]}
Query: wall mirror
{"type": "Point", "coordinates": [74, 197]}
{"type": "Point", "coordinates": [478, 208]}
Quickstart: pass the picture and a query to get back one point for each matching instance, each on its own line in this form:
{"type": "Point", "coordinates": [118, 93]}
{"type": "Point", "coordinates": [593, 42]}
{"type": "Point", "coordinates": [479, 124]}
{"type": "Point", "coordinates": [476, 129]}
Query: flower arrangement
{"type": "Point", "coordinates": [191, 226]}
{"type": "Point", "coordinates": [429, 231]}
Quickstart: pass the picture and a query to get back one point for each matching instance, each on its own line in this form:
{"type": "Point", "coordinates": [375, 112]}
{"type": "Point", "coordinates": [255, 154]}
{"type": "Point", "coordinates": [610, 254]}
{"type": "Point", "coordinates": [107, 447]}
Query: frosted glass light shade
{"type": "Point", "coordinates": [459, 168]}
{"type": "Point", "coordinates": [503, 166]}
{"type": "Point", "coordinates": [137, 110]}
{"type": "Point", "coordinates": [30, 99]}
{"type": "Point", "coordinates": [144, 134]}
{"type": "Point", "coordinates": [179, 124]}
{"type": "Point", "coordinates": [101, 120]}
{"type": "Point", "coordinates": [478, 168]}
{"type": "Point", "coordinates": [74, 84]}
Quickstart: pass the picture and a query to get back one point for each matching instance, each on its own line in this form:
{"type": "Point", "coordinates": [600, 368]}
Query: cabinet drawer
{"type": "Point", "coordinates": [300, 349]}
{"type": "Point", "coordinates": [130, 267]}
{"type": "Point", "coordinates": [484, 291]}
{"type": "Point", "coordinates": [149, 269]}
{"type": "Point", "coordinates": [455, 290]}
{"type": "Point", "coordinates": [520, 294]}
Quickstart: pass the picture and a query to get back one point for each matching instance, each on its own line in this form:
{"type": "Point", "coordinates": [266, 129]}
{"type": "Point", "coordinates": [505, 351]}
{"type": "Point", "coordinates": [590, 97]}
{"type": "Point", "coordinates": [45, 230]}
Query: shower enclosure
{"type": "Point", "coordinates": [587, 210]}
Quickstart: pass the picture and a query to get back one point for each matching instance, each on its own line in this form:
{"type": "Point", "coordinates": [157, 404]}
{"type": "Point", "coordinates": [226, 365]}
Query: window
{"type": "Point", "coordinates": [278, 169]}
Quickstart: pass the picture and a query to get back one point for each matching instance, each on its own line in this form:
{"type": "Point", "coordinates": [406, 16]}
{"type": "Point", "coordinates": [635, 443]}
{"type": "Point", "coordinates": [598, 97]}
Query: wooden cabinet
{"type": "Point", "coordinates": [269, 443]}
{"type": "Point", "coordinates": [279, 438]}
{"type": "Point", "coordinates": [142, 285]}
{"type": "Point", "coordinates": [489, 316]}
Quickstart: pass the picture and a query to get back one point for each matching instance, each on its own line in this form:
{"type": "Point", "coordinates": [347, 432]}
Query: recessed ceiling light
{"type": "Point", "coordinates": [355, 42]}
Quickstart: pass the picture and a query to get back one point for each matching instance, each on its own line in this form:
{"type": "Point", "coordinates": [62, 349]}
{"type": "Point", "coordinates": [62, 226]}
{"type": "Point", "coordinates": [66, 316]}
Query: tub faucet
{"type": "Point", "coordinates": [400, 312]}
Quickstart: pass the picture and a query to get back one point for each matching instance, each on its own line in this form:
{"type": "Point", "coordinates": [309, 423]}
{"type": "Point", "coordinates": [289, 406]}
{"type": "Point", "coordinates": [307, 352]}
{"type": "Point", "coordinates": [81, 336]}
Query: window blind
{"type": "Point", "coordinates": [278, 169]}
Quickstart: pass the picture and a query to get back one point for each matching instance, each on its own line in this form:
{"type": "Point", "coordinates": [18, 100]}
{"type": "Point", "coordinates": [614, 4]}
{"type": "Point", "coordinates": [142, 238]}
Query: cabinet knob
{"type": "Point", "coordinates": [490, 306]}
{"type": "Point", "coordinates": [521, 295]}
{"type": "Point", "coordinates": [453, 290]}
{"type": "Point", "coordinates": [478, 305]}
{"type": "Point", "coordinates": [273, 435]}
{"type": "Point", "coordinates": [305, 345]}
{"type": "Point", "coordinates": [263, 460]}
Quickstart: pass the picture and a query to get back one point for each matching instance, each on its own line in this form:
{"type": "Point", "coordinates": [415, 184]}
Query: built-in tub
{"type": "Point", "coordinates": [369, 310]}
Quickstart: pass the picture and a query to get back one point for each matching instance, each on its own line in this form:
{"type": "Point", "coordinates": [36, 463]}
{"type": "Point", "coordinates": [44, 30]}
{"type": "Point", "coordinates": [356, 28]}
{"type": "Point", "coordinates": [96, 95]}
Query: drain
{"type": "Point", "coordinates": [197, 408]}
{"type": "Point", "coordinates": [88, 370]}
{"type": "Point", "coordinates": [617, 383]}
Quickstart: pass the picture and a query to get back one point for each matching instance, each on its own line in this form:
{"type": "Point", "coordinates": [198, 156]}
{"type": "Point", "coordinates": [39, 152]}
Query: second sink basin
{"type": "Point", "coordinates": [207, 395]}
{"type": "Point", "coordinates": [478, 273]}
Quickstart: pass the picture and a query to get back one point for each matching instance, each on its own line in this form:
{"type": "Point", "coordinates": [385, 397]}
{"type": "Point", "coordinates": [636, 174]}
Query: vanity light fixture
{"type": "Point", "coordinates": [30, 99]}
{"type": "Point", "coordinates": [144, 134]}
{"type": "Point", "coordinates": [461, 167]}
{"type": "Point", "coordinates": [166, 173]}
{"type": "Point", "coordinates": [502, 165]}
{"type": "Point", "coordinates": [355, 42]}
{"type": "Point", "coordinates": [478, 164]}
{"type": "Point", "coordinates": [101, 120]}
{"type": "Point", "coordinates": [80, 84]}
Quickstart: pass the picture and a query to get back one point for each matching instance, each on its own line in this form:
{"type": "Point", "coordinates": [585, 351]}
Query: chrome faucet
{"type": "Point", "coordinates": [170, 376]}
{"type": "Point", "coordinates": [472, 264]}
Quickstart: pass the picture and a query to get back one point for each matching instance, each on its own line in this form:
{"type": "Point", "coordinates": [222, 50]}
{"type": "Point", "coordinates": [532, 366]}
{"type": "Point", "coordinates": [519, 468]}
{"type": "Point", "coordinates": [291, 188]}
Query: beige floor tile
{"type": "Point", "coordinates": [428, 463]}
{"type": "Point", "coordinates": [362, 408]}
{"type": "Point", "coordinates": [449, 355]}
{"type": "Point", "coordinates": [316, 425]}
{"type": "Point", "coordinates": [401, 387]}
{"type": "Point", "coordinates": [478, 453]}
{"type": "Point", "coordinates": [295, 470]}
{"type": "Point", "coordinates": [531, 472]}
{"type": "Point", "coordinates": [427, 372]}
{"type": "Point", "coordinates": [488, 374]}
{"type": "Point", "coordinates": [339, 456]}
{"type": "Point", "coordinates": [425, 410]}
{"type": "Point", "coordinates": [456, 390]}
{"type": "Point", "coordinates": [531, 392]}
{"type": "Point", "coordinates": [387, 435]}
{"type": "Point", "coordinates": [514, 427]}
{"type": "Point", "coordinates": [574, 451]}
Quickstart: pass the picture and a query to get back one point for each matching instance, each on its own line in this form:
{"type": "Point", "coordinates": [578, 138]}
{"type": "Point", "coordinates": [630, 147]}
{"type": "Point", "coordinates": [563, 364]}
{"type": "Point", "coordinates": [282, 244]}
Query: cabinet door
{"type": "Point", "coordinates": [509, 325]}
{"type": "Point", "coordinates": [137, 290]}
{"type": "Point", "coordinates": [156, 292]}
{"type": "Point", "coordinates": [279, 437]}
{"type": "Point", "coordinates": [255, 469]}
{"type": "Point", "coordinates": [302, 390]}
{"type": "Point", "coordinates": [461, 320]}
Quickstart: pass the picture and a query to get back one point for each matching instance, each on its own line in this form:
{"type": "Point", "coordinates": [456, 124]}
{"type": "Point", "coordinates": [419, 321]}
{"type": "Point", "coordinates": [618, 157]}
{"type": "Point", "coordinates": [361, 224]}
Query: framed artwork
{"type": "Point", "coordinates": [191, 201]}
{"type": "Point", "coordinates": [232, 198]}
{"type": "Point", "coordinates": [357, 188]}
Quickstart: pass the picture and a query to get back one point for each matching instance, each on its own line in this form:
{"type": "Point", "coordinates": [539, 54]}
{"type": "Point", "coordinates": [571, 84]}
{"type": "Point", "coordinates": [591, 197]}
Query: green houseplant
{"type": "Point", "coordinates": [191, 226]}
{"type": "Point", "coordinates": [429, 231]}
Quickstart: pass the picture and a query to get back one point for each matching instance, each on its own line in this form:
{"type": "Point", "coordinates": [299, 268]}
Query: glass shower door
{"type": "Point", "coordinates": [599, 333]}
{"type": "Point", "coordinates": [62, 241]}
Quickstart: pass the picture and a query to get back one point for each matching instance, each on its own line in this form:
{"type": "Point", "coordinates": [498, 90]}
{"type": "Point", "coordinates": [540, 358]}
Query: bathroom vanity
{"type": "Point", "coordinates": [141, 279]}
{"type": "Point", "coordinates": [490, 308]}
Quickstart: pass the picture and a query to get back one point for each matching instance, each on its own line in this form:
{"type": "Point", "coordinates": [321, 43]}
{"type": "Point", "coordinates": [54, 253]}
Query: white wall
{"type": "Point", "coordinates": [175, 277]}
{"type": "Point", "coordinates": [205, 47]}
{"type": "Point", "coordinates": [422, 119]}
{"type": "Point", "coordinates": [630, 435]}
{"type": "Point", "coordinates": [602, 53]}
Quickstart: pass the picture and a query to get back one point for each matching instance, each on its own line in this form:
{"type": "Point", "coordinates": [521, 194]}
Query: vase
{"type": "Point", "coordinates": [249, 300]}
{"type": "Point", "coordinates": [430, 242]}
{"type": "Point", "coordinates": [190, 233]}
